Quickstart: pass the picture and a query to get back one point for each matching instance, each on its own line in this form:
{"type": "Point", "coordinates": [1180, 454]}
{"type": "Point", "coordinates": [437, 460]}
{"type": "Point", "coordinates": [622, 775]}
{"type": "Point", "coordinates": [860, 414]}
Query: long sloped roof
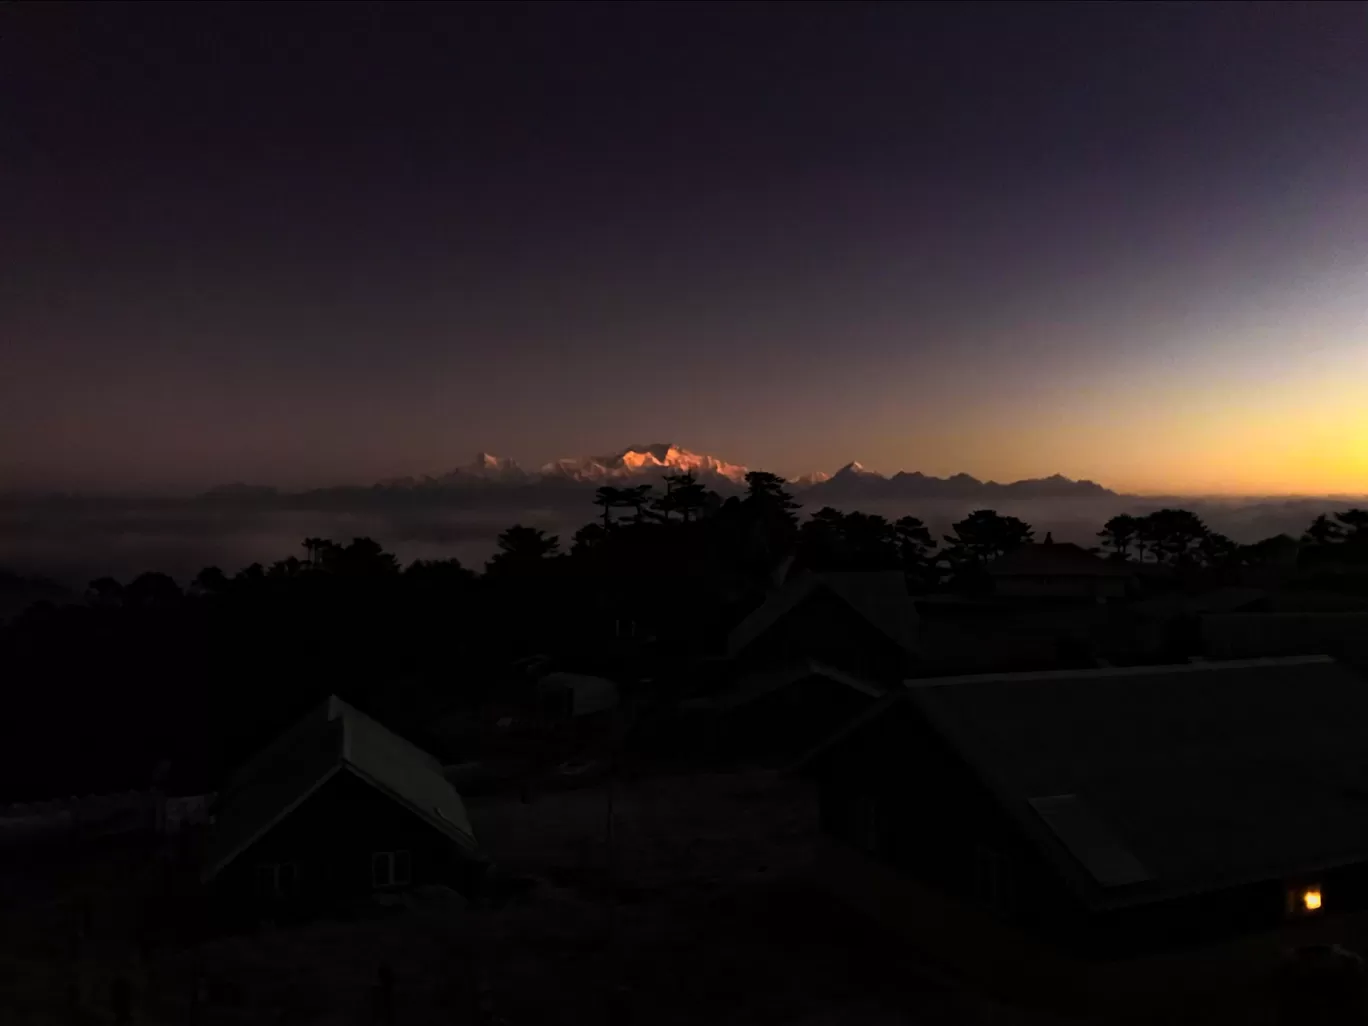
{"type": "Point", "coordinates": [755, 686]}
{"type": "Point", "coordinates": [1174, 779]}
{"type": "Point", "coordinates": [879, 596]}
{"type": "Point", "coordinates": [334, 737]}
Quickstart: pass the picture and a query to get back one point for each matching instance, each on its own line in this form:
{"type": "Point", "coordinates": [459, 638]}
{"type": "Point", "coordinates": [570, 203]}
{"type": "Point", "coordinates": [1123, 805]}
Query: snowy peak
{"type": "Point", "coordinates": [495, 467]}
{"type": "Point", "coordinates": [854, 469]}
{"type": "Point", "coordinates": [644, 461]}
{"type": "Point", "coordinates": [647, 464]}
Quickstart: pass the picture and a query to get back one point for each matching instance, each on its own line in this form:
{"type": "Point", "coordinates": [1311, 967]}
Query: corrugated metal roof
{"type": "Point", "coordinates": [334, 737]}
{"type": "Point", "coordinates": [757, 685]}
{"type": "Point", "coordinates": [1208, 773]}
{"type": "Point", "coordinates": [407, 773]}
{"type": "Point", "coordinates": [1088, 840]}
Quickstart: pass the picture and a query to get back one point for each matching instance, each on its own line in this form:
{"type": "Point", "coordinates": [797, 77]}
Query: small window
{"type": "Point", "coordinates": [1305, 899]}
{"type": "Point", "coordinates": [391, 868]}
{"type": "Point", "coordinates": [277, 880]}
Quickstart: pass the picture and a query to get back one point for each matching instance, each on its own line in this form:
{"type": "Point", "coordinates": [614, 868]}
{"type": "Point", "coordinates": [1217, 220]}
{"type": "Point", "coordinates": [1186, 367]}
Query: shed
{"type": "Point", "coordinates": [861, 621]}
{"type": "Point", "coordinates": [337, 806]}
{"type": "Point", "coordinates": [782, 712]}
{"type": "Point", "coordinates": [1101, 815]}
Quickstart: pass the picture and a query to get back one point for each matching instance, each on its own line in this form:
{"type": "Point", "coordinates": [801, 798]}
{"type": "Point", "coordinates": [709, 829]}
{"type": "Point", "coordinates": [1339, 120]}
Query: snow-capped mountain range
{"type": "Point", "coordinates": [648, 463]}
{"type": "Point", "coordinates": [645, 461]}
{"type": "Point", "coordinates": [637, 462]}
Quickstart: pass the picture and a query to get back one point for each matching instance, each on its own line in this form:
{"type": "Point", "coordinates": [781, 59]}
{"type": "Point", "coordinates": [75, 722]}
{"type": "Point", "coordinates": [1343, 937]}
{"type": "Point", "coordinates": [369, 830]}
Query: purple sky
{"type": "Point", "coordinates": [309, 244]}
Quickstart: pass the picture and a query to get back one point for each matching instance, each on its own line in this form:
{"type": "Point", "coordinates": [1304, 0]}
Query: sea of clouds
{"type": "Point", "coordinates": [73, 542]}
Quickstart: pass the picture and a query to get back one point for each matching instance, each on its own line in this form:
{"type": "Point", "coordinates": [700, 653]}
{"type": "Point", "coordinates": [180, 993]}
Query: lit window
{"type": "Point", "coordinates": [1311, 899]}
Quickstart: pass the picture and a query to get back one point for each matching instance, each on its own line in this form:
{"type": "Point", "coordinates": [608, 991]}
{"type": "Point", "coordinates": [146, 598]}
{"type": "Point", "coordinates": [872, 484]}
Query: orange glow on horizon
{"type": "Point", "coordinates": [1303, 438]}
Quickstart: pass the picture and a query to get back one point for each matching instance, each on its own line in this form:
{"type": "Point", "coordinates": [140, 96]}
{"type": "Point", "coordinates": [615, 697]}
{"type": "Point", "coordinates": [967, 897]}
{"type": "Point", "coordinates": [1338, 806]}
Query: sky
{"type": "Point", "coordinates": [310, 244]}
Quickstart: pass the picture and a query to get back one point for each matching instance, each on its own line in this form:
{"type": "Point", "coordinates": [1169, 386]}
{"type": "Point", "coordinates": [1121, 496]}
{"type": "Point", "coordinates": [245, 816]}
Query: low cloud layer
{"type": "Point", "coordinates": [73, 542]}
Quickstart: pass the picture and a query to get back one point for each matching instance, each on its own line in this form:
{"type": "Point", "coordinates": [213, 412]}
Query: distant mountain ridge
{"type": "Point", "coordinates": [855, 482]}
{"type": "Point", "coordinates": [644, 461]}
{"type": "Point", "coordinates": [637, 462]}
{"type": "Point", "coordinates": [649, 463]}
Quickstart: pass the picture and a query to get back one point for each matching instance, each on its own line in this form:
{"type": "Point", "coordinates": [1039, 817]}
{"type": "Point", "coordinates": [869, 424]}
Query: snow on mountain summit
{"type": "Point", "coordinates": [487, 465]}
{"type": "Point", "coordinates": [647, 464]}
{"type": "Point", "coordinates": [854, 469]}
{"type": "Point", "coordinates": [644, 461]}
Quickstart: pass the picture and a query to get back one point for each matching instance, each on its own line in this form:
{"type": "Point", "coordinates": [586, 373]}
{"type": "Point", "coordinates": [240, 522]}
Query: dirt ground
{"type": "Point", "coordinates": [693, 905]}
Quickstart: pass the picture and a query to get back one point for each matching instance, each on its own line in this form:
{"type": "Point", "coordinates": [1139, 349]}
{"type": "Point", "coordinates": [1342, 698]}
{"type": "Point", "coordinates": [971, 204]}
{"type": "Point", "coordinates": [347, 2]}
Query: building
{"type": "Point", "coordinates": [576, 695]}
{"type": "Point", "coordinates": [92, 822]}
{"type": "Point", "coordinates": [336, 808]}
{"type": "Point", "coordinates": [1080, 835]}
{"type": "Point", "coordinates": [776, 715]}
{"type": "Point", "coordinates": [1059, 571]}
{"type": "Point", "coordinates": [1167, 627]}
{"type": "Point", "coordinates": [865, 623]}
{"type": "Point", "coordinates": [961, 634]}
{"type": "Point", "coordinates": [1246, 635]}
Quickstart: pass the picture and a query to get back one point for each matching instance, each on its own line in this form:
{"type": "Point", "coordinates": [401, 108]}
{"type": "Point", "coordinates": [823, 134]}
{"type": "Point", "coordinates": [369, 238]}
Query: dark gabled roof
{"type": "Point", "coordinates": [755, 686]}
{"type": "Point", "coordinates": [1062, 558]}
{"type": "Point", "coordinates": [333, 738]}
{"type": "Point", "coordinates": [880, 597]}
{"type": "Point", "coordinates": [1187, 778]}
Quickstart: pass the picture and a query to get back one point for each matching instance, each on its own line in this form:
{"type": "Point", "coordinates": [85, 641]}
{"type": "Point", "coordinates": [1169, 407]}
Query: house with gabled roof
{"type": "Point", "coordinates": [1061, 571]}
{"type": "Point", "coordinates": [778, 713]}
{"type": "Point", "coordinates": [1108, 834]}
{"type": "Point", "coordinates": [865, 622]}
{"type": "Point", "coordinates": [337, 807]}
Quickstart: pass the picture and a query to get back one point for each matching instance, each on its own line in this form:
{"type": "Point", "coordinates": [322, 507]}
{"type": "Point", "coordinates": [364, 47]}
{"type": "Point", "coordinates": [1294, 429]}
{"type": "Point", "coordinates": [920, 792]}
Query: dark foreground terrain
{"type": "Point", "coordinates": [702, 909]}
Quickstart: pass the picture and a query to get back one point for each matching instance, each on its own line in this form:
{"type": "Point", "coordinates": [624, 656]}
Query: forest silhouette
{"type": "Point", "coordinates": [147, 674]}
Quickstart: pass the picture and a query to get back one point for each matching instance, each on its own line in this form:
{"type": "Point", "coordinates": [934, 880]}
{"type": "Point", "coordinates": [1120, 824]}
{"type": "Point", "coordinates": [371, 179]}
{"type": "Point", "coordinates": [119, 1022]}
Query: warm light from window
{"type": "Point", "coordinates": [1311, 900]}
